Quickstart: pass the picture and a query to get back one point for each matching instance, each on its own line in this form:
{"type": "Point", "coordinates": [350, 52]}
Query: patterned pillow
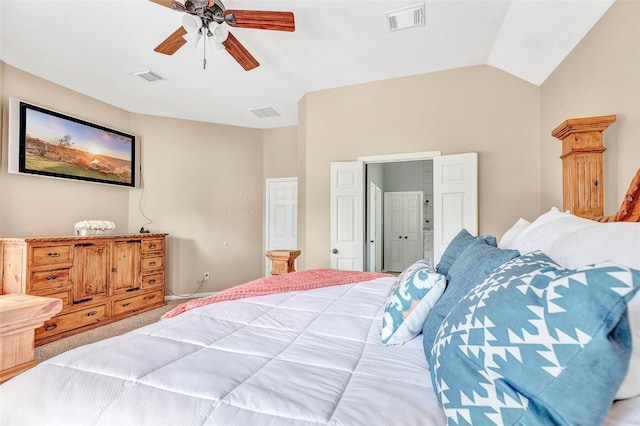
{"type": "Point", "coordinates": [471, 267]}
{"type": "Point", "coordinates": [412, 296]}
{"type": "Point", "coordinates": [459, 243]}
{"type": "Point", "coordinates": [521, 346]}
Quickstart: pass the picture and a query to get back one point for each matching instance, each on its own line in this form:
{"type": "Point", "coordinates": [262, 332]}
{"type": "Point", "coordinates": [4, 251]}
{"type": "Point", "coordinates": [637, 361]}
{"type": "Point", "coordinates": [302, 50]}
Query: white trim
{"type": "Point", "coordinates": [188, 296]}
{"type": "Point", "coordinates": [409, 156]}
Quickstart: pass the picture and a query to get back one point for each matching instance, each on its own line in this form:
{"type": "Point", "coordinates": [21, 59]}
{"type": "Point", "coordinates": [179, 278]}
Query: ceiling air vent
{"type": "Point", "coordinates": [265, 112]}
{"type": "Point", "coordinates": [407, 17]}
{"type": "Point", "coordinates": [149, 75]}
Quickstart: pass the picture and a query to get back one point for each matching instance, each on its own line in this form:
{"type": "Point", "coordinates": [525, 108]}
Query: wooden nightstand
{"type": "Point", "coordinates": [282, 261]}
{"type": "Point", "coordinates": [20, 315]}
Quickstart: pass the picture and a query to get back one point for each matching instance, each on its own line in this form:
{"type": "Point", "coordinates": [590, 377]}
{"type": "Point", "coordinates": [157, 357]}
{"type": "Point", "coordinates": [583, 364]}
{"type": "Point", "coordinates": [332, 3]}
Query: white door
{"type": "Point", "coordinates": [347, 215]}
{"type": "Point", "coordinates": [281, 216]}
{"type": "Point", "coordinates": [402, 229]}
{"type": "Point", "coordinates": [393, 253]}
{"type": "Point", "coordinates": [455, 198]}
{"type": "Point", "coordinates": [375, 228]}
{"type": "Point", "coordinates": [412, 227]}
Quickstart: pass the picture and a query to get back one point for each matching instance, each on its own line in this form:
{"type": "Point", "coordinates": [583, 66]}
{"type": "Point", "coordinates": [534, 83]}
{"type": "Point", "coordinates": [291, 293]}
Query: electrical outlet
{"type": "Point", "coordinates": [206, 276]}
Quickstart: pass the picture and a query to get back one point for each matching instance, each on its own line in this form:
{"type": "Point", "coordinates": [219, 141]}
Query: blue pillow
{"type": "Point", "coordinates": [536, 344]}
{"type": "Point", "coordinates": [412, 296]}
{"type": "Point", "coordinates": [471, 267]}
{"type": "Point", "coordinates": [460, 242]}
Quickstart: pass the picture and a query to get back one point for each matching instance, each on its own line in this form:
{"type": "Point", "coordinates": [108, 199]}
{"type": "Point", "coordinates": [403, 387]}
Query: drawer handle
{"type": "Point", "coordinates": [77, 302]}
{"type": "Point", "coordinates": [50, 327]}
{"type": "Point", "coordinates": [152, 246]}
{"type": "Point", "coordinates": [54, 254]}
{"type": "Point", "coordinates": [133, 289]}
{"type": "Point", "coordinates": [52, 277]}
{"type": "Point", "coordinates": [152, 281]}
{"type": "Point", "coordinates": [92, 313]}
{"type": "Point", "coordinates": [152, 263]}
{"type": "Point", "coordinates": [124, 305]}
{"type": "Point", "coordinates": [153, 296]}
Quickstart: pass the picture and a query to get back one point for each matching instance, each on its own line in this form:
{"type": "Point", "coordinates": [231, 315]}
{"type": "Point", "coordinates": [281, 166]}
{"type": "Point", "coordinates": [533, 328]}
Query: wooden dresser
{"type": "Point", "coordinates": [99, 278]}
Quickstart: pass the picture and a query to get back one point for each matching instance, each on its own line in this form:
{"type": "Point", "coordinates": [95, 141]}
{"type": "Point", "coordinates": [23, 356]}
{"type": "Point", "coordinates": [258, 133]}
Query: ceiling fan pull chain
{"type": "Point", "coordinates": [204, 53]}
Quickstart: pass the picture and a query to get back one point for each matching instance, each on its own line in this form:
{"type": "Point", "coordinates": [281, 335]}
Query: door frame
{"type": "Point", "coordinates": [393, 158]}
{"type": "Point", "coordinates": [375, 227]}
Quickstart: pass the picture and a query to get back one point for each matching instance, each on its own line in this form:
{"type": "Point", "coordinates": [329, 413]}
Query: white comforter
{"type": "Point", "coordinates": [305, 358]}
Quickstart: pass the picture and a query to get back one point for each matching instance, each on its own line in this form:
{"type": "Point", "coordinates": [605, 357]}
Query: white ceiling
{"type": "Point", "coordinates": [93, 47]}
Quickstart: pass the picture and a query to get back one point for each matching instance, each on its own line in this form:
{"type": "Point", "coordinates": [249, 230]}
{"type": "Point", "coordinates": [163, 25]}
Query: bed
{"type": "Point", "coordinates": [314, 354]}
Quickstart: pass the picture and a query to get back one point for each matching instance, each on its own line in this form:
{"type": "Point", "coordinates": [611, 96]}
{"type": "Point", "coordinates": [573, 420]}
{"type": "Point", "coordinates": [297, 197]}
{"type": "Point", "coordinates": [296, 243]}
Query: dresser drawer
{"type": "Point", "coordinates": [62, 294]}
{"type": "Point", "coordinates": [72, 320]}
{"type": "Point", "coordinates": [50, 254]}
{"type": "Point", "coordinates": [152, 263]}
{"type": "Point", "coordinates": [151, 246]}
{"type": "Point", "coordinates": [134, 303]}
{"type": "Point", "coordinates": [152, 280]}
{"type": "Point", "coordinates": [49, 278]}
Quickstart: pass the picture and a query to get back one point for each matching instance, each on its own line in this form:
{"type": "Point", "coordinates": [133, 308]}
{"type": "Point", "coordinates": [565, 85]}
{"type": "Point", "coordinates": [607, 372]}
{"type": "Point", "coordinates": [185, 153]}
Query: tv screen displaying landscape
{"type": "Point", "coordinates": [53, 144]}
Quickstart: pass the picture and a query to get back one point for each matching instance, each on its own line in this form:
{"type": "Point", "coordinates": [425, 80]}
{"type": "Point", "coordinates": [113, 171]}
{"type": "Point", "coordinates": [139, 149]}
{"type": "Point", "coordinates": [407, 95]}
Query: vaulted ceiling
{"type": "Point", "coordinates": [95, 47]}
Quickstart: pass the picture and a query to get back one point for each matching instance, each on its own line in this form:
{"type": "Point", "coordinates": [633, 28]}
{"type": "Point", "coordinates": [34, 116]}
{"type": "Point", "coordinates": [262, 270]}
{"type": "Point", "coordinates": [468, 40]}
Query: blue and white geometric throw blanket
{"type": "Point", "coordinates": [536, 344]}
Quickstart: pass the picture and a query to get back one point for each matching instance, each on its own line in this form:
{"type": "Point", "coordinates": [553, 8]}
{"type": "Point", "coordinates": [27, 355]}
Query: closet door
{"type": "Point", "coordinates": [393, 232]}
{"type": "Point", "coordinates": [412, 227]}
{"type": "Point", "coordinates": [403, 229]}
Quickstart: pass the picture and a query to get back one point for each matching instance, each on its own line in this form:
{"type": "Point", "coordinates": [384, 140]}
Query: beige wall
{"type": "Point", "coordinates": [477, 109]}
{"type": "Point", "coordinates": [203, 185]}
{"type": "Point", "coordinates": [280, 153]}
{"type": "Point", "coordinates": [37, 206]}
{"type": "Point", "coordinates": [601, 76]}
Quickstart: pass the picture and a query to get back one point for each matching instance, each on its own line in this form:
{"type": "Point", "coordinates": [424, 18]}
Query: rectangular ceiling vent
{"type": "Point", "coordinates": [149, 75]}
{"type": "Point", "coordinates": [407, 17]}
{"type": "Point", "coordinates": [265, 112]}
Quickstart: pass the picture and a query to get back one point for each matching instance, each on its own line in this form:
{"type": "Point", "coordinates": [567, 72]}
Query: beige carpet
{"type": "Point", "coordinates": [114, 329]}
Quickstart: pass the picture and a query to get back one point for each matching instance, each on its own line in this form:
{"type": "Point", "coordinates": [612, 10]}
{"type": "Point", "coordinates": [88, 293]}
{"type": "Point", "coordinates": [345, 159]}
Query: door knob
{"type": "Point", "coordinates": [334, 251]}
{"type": "Point", "coordinates": [405, 237]}
{"type": "Point", "coordinates": [400, 236]}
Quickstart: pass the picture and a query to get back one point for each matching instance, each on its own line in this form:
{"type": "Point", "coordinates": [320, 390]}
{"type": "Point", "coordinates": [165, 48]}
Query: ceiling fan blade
{"type": "Point", "coordinates": [260, 19]}
{"type": "Point", "coordinates": [171, 4]}
{"type": "Point", "coordinates": [172, 43]}
{"type": "Point", "coordinates": [239, 53]}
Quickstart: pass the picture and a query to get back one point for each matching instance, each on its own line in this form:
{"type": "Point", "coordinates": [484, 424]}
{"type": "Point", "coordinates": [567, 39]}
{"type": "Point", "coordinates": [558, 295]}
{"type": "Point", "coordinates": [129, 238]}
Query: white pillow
{"type": "Point", "coordinates": [509, 238]}
{"type": "Point", "coordinates": [573, 242]}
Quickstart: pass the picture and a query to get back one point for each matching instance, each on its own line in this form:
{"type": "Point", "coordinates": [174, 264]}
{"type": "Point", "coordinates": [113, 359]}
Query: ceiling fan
{"type": "Point", "coordinates": [209, 18]}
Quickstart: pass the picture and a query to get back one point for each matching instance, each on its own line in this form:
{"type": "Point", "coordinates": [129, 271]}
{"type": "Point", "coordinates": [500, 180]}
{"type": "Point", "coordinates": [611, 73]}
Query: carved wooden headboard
{"type": "Point", "coordinates": [582, 176]}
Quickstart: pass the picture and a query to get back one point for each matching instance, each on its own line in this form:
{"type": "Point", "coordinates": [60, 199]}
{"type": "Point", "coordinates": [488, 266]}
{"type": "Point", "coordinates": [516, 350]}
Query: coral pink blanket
{"type": "Point", "coordinates": [303, 280]}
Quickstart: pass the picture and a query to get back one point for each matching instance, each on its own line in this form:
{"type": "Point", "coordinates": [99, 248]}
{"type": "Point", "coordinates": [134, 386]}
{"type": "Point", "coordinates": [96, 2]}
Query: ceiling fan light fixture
{"type": "Point", "coordinates": [191, 23]}
{"type": "Point", "coordinates": [193, 39]}
{"type": "Point", "coordinates": [214, 46]}
{"type": "Point", "coordinates": [220, 32]}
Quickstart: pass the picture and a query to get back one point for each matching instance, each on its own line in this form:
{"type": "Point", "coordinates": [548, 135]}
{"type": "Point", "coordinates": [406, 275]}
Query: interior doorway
{"type": "Point", "coordinates": [406, 233]}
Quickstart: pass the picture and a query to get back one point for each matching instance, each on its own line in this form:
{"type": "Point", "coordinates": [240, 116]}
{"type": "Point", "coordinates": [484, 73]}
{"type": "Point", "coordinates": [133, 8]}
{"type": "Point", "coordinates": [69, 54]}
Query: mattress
{"type": "Point", "coordinates": [305, 358]}
{"type": "Point", "coordinates": [300, 358]}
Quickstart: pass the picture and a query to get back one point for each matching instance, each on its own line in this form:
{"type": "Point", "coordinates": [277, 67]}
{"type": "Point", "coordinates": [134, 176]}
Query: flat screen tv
{"type": "Point", "coordinates": [47, 143]}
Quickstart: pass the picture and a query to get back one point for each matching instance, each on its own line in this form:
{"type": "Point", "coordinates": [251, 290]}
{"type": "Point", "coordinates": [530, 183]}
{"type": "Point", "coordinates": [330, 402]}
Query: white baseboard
{"type": "Point", "coordinates": [170, 296]}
